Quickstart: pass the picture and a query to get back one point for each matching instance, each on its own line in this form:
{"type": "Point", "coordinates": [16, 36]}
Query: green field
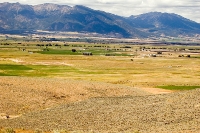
{"type": "Point", "coordinates": [171, 87]}
{"type": "Point", "coordinates": [126, 64]}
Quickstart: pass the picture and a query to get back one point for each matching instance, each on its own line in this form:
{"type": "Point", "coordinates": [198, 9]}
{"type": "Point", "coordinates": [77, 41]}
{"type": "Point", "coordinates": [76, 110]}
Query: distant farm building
{"type": "Point", "coordinates": [87, 53]}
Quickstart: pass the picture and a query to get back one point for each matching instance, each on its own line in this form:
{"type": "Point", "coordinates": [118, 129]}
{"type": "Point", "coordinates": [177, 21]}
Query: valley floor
{"type": "Point", "coordinates": [48, 87]}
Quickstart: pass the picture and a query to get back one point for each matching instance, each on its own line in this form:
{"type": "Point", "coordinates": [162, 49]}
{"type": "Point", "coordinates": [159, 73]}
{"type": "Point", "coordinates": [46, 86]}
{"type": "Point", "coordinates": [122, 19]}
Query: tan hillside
{"type": "Point", "coordinates": [21, 94]}
{"type": "Point", "coordinates": [175, 112]}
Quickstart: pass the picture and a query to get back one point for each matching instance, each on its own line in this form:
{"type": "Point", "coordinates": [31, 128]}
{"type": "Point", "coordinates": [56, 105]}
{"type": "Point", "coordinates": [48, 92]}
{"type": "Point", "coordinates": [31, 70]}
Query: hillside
{"type": "Point", "coordinates": [174, 113]}
{"type": "Point", "coordinates": [18, 18]}
{"type": "Point", "coordinates": [164, 23]}
{"type": "Point", "coordinates": [21, 94]}
{"type": "Point", "coordinates": [59, 18]}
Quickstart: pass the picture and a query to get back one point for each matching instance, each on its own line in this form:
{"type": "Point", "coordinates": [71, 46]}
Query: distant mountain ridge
{"type": "Point", "coordinates": [53, 17]}
{"type": "Point", "coordinates": [169, 24]}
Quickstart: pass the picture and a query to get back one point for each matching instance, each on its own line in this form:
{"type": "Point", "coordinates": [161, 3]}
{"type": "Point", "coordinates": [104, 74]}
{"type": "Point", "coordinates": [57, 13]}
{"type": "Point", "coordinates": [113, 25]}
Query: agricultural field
{"type": "Point", "coordinates": [131, 65]}
{"type": "Point", "coordinates": [37, 76]}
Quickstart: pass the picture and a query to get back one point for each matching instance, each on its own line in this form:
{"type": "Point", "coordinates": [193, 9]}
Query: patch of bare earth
{"type": "Point", "coordinates": [20, 95]}
{"type": "Point", "coordinates": [52, 104]}
{"type": "Point", "coordinates": [156, 90]}
{"type": "Point", "coordinates": [177, 112]}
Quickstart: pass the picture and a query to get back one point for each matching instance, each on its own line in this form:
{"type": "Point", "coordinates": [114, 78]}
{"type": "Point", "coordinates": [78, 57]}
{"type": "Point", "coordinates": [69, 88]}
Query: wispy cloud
{"type": "Point", "coordinates": [186, 8]}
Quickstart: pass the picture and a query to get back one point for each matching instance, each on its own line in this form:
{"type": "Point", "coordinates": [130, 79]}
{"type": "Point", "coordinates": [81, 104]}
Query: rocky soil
{"type": "Point", "coordinates": [177, 112]}
{"type": "Point", "coordinates": [20, 95]}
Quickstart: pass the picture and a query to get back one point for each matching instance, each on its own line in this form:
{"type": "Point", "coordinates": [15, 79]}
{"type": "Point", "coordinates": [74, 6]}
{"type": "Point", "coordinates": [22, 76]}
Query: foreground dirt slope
{"type": "Point", "coordinates": [175, 112]}
{"type": "Point", "coordinates": [20, 95]}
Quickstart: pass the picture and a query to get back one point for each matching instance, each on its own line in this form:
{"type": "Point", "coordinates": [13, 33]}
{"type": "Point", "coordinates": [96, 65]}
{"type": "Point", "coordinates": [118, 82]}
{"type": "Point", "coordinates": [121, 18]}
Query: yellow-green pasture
{"type": "Point", "coordinates": [131, 66]}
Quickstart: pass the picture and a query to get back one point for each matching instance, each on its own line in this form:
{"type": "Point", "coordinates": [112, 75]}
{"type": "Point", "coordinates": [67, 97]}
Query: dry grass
{"type": "Point", "coordinates": [55, 91]}
{"type": "Point", "coordinates": [141, 72]}
{"type": "Point", "coordinates": [174, 113]}
{"type": "Point", "coordinates": [20, 94]}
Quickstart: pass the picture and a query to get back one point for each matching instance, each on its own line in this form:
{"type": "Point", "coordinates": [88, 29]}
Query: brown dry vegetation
{"type": "Point", "coordinates": [21, 94]}
{"type": "Point", "coordinates": [175, 113]}
{"type": "Point", "coordinates": [99, 93]}
{"type": "Point", "coordinates": [141, 72]}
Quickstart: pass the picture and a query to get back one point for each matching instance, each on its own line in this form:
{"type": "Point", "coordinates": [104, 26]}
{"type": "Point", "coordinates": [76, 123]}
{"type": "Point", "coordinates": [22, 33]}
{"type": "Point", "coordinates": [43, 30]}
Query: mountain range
{"type": "Point", "coordinates": [16, 17]}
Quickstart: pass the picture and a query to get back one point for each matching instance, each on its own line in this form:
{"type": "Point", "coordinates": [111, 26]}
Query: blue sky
{"type": "Point", "coordinates": [187, 8]}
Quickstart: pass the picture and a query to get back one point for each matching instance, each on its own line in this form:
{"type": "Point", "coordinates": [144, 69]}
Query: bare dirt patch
{"type": "Point", "coordinates": [156, 90]}
{"type": "Point", "coordinates": [175, 113]}
{"type": "Point", "coordinates": [21, 94]}
{"type": "Point", "coordinates": [25, 62]}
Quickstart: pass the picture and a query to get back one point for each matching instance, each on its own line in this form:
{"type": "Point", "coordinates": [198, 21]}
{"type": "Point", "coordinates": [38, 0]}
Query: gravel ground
{"type": "Point", "coordinates": [20, 95]}
{"type": "Point", "coordinates": [177, 112]}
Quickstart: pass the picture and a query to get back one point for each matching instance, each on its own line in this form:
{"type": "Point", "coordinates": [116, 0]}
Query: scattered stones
{"type": "Point", "coordinates": [4, 116]}
{"type": "Point", "coordinates": [85, 106]}
{"type": "Point", "coordinates": [174, 112]}
{"type": "Point", "coordinates": [21, 94]}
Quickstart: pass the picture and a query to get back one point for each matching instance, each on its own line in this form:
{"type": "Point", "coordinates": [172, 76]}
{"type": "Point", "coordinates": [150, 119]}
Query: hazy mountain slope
{"type": "Point", "coordinates": [59, 18]}
{"type": "Point", "coordinates": [18, 17]}
{"type": "Point", "coordinates": [170, 24]}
